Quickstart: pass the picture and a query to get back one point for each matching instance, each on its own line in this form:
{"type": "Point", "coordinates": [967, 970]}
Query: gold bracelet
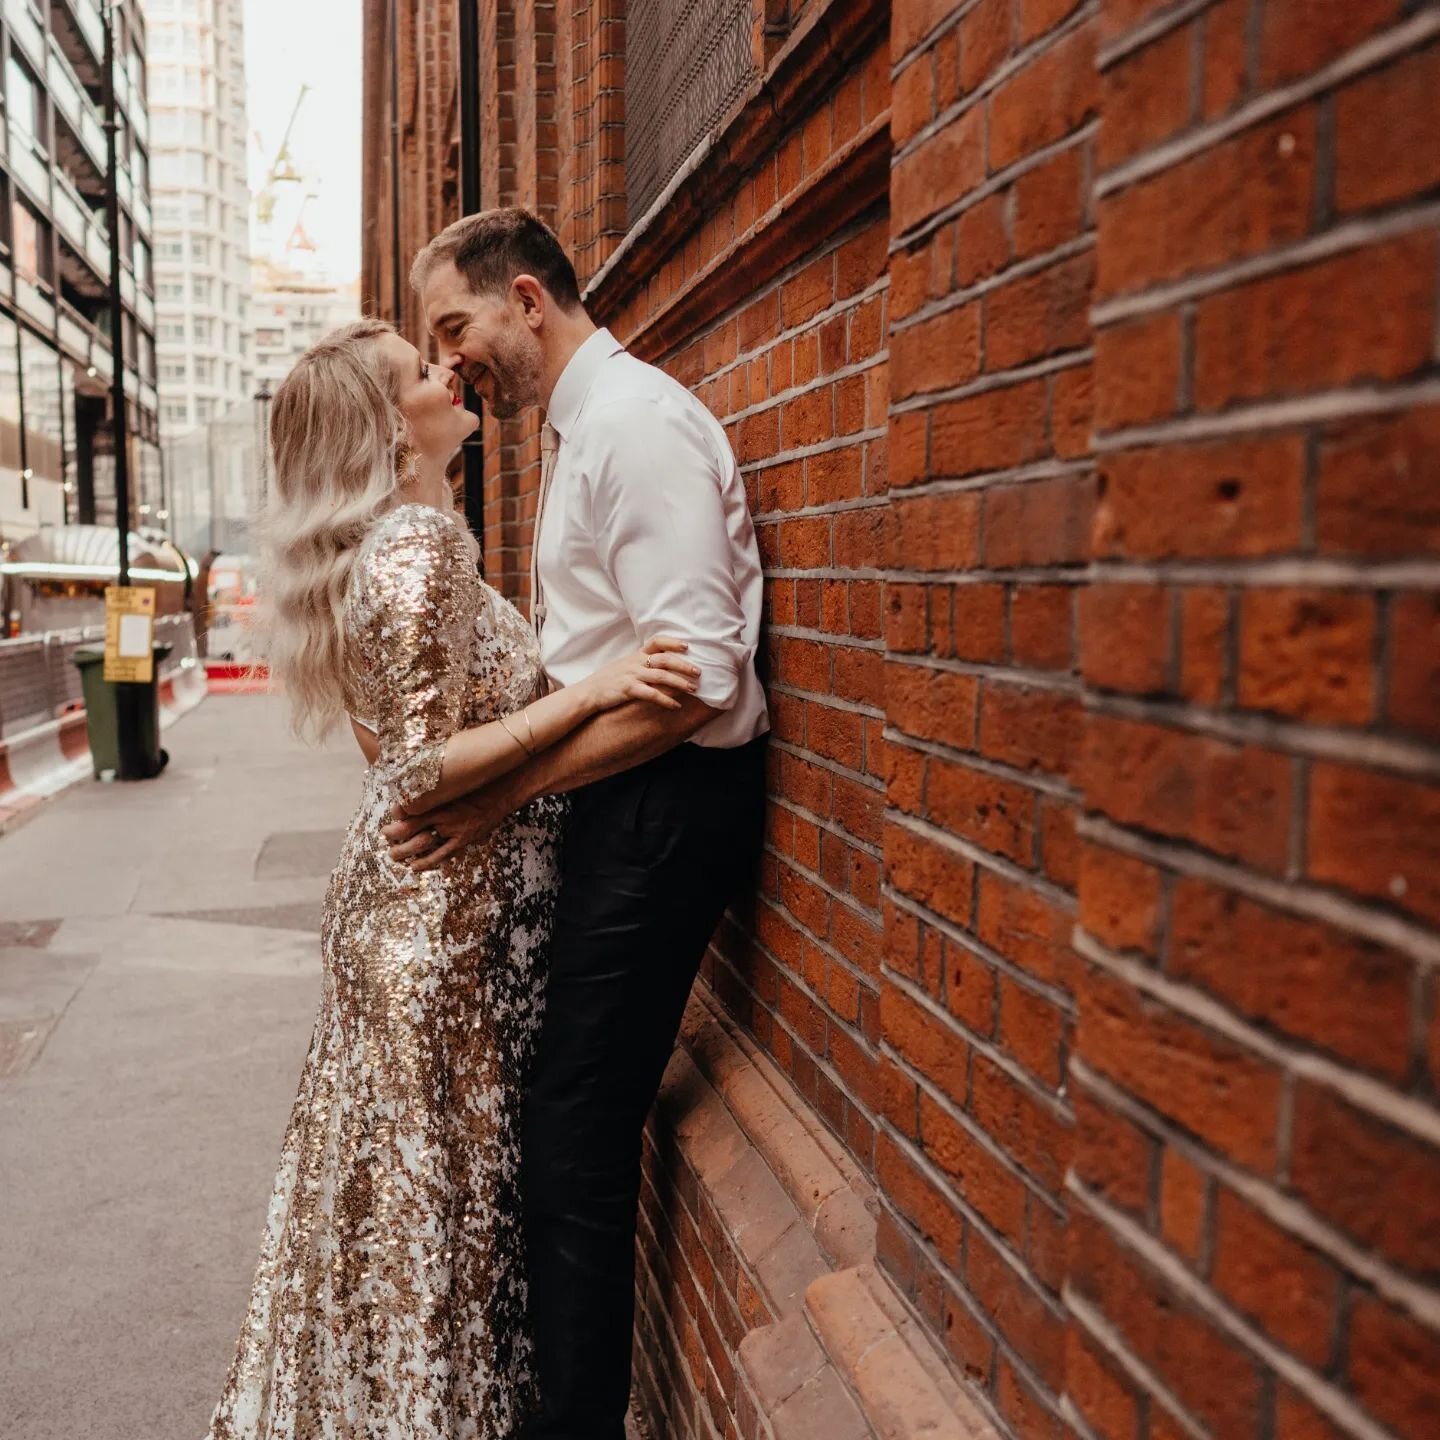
{"type": "Point", "coordinates": [525, 716]}
{"type": "Point", "coordinates": [505, 723]}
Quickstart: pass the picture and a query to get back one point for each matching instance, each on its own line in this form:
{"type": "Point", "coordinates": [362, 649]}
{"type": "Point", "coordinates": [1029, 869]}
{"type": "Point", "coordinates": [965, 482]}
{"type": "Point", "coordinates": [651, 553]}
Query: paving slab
{"type": "Point", "coordinates": [158, 986]}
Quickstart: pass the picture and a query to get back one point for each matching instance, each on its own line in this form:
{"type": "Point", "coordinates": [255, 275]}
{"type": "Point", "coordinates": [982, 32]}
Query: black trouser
{"type": "Point", "coordinates": [652, 857]}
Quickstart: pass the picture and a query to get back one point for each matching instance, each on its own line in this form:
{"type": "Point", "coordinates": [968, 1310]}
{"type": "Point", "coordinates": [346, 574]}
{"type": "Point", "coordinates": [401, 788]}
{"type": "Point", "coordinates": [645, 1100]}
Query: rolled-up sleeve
{"type": "Point", "coordinates": [661, 533]}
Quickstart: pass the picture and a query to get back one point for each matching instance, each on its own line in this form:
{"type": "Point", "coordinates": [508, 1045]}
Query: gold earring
{"type": "Point", "coordinates": [407, 465]}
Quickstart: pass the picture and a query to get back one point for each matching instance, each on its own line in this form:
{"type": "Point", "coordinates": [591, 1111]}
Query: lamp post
{"type": "Point", "coordinates": [473, 450]}
{"type": "Point", "coordinates": [128, 697]}
{"type": "Point", "coordinates": [263, 398]}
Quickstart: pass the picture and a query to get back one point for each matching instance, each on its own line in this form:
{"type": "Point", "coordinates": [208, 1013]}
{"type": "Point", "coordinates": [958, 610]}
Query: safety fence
{"type": "Point", "coordinates": [40, 683]}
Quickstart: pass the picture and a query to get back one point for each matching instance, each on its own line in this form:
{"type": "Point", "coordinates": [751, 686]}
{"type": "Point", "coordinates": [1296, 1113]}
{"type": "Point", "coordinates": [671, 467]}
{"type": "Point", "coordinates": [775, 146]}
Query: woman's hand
{"type": "Point", "coordinates": [654, 674]}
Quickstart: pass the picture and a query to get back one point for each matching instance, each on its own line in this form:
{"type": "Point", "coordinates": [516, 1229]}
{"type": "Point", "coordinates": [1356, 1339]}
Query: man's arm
{"type": "Point", "coordinates": [616, 740]}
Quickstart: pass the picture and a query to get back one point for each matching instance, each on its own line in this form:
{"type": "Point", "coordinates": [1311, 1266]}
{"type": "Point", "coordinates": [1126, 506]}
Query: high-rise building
{"type": "Point", "coordinates": [202, 206]}
{"type": "Point", "coordinates": [56, 449]}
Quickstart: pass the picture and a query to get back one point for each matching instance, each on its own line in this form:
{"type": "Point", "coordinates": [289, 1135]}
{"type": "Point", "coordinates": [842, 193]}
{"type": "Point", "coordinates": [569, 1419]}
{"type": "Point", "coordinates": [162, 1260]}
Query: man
{"type": "Point", "coordinates": [642, 530]}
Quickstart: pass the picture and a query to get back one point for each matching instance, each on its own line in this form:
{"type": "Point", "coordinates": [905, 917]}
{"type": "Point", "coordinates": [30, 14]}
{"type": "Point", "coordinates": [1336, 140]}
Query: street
{"type": "Point", "coordinates": [159, 971]}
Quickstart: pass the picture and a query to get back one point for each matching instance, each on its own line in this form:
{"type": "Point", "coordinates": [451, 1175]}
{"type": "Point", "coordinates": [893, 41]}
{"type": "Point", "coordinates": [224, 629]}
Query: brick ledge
{"type": "Point", "coordinates": [843, 1358]}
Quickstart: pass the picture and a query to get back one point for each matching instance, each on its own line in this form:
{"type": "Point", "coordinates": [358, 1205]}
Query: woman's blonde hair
{"type": "Point", "coordinates": [337, 436]}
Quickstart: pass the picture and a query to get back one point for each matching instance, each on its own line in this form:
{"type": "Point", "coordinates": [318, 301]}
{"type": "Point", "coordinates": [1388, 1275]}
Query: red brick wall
{"type": "Point", "coordinates": [1255, 1190]}
{"type": "Point", "coordinates": [1081, 362]}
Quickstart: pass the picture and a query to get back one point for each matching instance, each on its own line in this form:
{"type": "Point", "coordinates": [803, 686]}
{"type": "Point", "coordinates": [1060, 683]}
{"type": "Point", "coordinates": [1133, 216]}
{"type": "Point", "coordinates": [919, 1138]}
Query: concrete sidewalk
{"type": "Point", "coordinates": [159, 971]}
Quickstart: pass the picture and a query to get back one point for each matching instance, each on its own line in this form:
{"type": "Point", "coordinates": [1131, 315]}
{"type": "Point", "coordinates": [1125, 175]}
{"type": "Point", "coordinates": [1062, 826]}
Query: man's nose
{"type": "Point", "coordinates": [453, 361]}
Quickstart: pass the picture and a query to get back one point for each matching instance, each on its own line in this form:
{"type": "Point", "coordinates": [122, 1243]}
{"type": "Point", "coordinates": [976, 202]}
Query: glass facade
{"type": "Point", "coordinates": [56, 450]}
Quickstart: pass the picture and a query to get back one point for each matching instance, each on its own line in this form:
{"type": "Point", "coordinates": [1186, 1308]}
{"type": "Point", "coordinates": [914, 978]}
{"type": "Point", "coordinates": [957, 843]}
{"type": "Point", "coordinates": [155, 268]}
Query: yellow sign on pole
{"type": "Point", "coordinates": [130, 633]}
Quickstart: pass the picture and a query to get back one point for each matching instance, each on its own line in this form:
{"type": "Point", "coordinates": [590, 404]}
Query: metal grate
{"type": "Point", "coordinates": [686, 63]}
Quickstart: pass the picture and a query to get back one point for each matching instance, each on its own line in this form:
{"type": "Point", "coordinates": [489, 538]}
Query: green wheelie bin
{"type": "Point", "coordinates": [102, 718]}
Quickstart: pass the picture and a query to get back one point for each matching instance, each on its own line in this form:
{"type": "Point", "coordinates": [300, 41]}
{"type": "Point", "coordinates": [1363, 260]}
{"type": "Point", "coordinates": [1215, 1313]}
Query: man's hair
{"type": "Point", "coordinates": [490, 249]}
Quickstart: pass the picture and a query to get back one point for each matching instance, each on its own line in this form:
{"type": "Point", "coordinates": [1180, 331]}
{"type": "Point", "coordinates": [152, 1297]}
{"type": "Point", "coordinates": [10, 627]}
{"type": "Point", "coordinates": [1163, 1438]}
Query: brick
{"type": "Point", "coordinates": [810, 292]}
{"type": "Point", "coordinates": [1049, 203]}
{"type": "Point", "coordinates": [1204, 644]}
{"type": "Point", "coordinates": [937, 353]}
{"type": "Point", "coordinates": [1270, 1276]}
{"type": "Point", "coordinates": [969, 989]}
{"type": "Point", "coordinates": [1413, 689]}
{"type": "Point", "coordinates": [1125, 637]}
{"type": "Point", "coordinates": [1059, 844]}
{"type": "Point", "coordinates": [996, 814]}
{"type": "Point", "coordinates": [1120, 899]}
{"type": "Point", "coordinates": [1228, 498]}
{"type": "Point", "coordinates": [914, 20]}
{"type": "Point", "coordinates": [1363, 316]}
{"type": "Point", "coordinates": [1307, 653]}
{"type": "Point", "coordinates": [1039, 16]}
{"type": "Point", "coordinates": [933, 532]}
{"type": "Point", "coordinates": [995, 1191]}
{"type": "Point", "coordinates": [1050, 97]}
{"type": "Point", "coordinates": [1031, 1327]}
{"type": "Point", "coordinates": [914, 99]}
{"type": "Point", "coordinates": [1031, 729]}
{"type": "Point", "coordinates": [1377, 835]}
{"type": "Point", "coordinates": [1138, 370]}
{"type": "Point", "coordinates": [1099, 1389]}
{"type": "Point", "coordinates": [932, 704]}
{"type": "Point", "coordinates": [995, 430]}
{"type": "Point", "coordinates": [1145, 97]}
{"type": "Point", "coordinates": [1224, 28]}
{"type": "Point", "coordinates": [1184, 1205]}
{"type": "Point", "coordinates": [1394, 1368]}
{"type": "Point", "coordinates": [1039, 315]}
{"type": "Point", "coordinates": [1042, 626]}
{"type": "Point", "coordinates": [1378, 485]}
{"type": "Point", "coordinates": [1039, 522]}
{"type": "Point", "coordinates": [1027, 927]}
{"type": "Point", "coordinates": [979, 622]}
{"type": "Point", "coordinates": [1297, 1419]}
{"type": "Point", "coordinates": [1216, 1380]}
{"type": "Point", "coordinates": [943, 165]}
{"type": "Point", "coordinates": [1112, 1157]}
{"type": "Point", "coordinates": [1208, 1085]}
{"type": "Point", "coordinates": [984, 41]}
{"type": "Point", "coordinates": [1194, 216]}
{"type": "Point", "coordinates": [1231, 799]}
{"type": "Point", "coordinates": [917, 1199]}
{"type": "Point", "coordinates": [1318, 985]}
{"type": "Point", "coordinates": [1375, 1183]}
{"type": "Point", "coordinates": [1032, 1030]}
{"type": "Point", "coordinates": [1071, 410]}
{"type": "Point", "coordinates": [1299, 36]}
{"type": "Point", "coordinates": [934, 876]}
{"type": "Point", "coordinates": [1383, 149]}
{"type": "Point", "coordinates": [982, 245]}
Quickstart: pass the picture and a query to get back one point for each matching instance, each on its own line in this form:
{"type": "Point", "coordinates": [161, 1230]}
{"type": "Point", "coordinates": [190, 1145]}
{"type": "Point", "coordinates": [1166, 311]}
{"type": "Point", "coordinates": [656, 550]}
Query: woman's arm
{"type": "Point", "coordinates": [478, 757]}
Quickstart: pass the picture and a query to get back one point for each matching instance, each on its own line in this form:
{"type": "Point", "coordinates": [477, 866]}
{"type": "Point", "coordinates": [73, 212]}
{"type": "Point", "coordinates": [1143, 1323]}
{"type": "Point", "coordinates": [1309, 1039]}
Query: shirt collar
{"type": "Point", "coordinates": [568, 397]}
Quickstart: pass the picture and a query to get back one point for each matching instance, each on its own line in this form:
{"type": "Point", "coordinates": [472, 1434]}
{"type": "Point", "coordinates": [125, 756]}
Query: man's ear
{"type": "Point", "coordinates": [532, 297]}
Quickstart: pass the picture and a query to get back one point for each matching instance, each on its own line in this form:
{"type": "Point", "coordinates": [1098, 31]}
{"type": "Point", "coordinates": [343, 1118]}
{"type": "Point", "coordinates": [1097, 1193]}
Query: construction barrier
{"type": "Point", "coordinates": [43, 742]}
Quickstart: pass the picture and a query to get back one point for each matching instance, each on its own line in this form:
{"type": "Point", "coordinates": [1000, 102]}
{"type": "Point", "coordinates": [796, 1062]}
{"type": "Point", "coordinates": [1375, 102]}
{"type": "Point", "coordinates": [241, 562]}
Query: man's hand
{"type": "Point", "coordinates": [425, 841]}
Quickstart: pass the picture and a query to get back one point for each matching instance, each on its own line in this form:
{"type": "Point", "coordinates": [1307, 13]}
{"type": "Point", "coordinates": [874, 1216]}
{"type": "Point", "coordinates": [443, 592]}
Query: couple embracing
{"type": "Point", "coordinates": [555, 814]}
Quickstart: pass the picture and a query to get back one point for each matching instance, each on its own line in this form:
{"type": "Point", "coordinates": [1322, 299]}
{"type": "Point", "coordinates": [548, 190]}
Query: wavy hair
{"type": "Point", "coordinates": [337, 436]}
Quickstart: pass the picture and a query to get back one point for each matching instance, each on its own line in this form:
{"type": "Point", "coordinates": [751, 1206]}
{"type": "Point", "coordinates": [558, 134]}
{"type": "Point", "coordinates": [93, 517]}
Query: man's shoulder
{"type": "Point", "coordinates": [628, 384]}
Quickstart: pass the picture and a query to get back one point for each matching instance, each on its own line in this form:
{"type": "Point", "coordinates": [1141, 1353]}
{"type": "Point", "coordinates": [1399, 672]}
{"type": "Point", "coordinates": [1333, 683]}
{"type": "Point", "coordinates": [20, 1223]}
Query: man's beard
{"type": "Point", "coordinates": [514, 379]}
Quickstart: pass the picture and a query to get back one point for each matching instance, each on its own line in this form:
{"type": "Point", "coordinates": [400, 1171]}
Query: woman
{"type": "Point", "coordinates": [390, 1293]}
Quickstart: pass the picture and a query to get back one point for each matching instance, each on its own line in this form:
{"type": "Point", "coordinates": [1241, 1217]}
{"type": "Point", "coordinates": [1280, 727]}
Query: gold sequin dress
{"type": "Point", "coordinates": [390, 1295]}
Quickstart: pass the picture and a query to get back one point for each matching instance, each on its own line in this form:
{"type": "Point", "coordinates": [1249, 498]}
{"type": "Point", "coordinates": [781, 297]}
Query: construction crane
{"type": "Point", "coordinates": [282, 167]}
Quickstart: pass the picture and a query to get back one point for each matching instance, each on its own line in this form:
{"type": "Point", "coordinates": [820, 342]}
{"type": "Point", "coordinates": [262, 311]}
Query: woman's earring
{"type": "Point", "coordinates": [407, 465]}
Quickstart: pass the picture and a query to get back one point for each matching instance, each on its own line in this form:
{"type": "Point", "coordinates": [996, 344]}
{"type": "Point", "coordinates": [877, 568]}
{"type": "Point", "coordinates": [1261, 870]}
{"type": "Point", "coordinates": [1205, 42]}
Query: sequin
{"type": "Point", "coordinates": [390, 1294]}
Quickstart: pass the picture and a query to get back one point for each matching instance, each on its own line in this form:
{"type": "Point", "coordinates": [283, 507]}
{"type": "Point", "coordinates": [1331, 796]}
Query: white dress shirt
{"type": "Point", "coordinates": [645, 531]}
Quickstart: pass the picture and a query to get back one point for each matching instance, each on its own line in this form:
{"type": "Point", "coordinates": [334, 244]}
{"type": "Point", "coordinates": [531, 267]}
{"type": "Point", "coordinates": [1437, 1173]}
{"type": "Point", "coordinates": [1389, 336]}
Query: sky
{"type": "Point", "coordinates": [316, 42]}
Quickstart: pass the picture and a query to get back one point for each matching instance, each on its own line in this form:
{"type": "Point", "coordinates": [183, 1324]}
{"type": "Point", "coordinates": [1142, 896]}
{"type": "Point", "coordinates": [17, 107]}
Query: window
{"type": "Point", "coordinates": [173, 371]}
{"type": "Point", "coordinates": [23, 100]}
{"type": "Point", "coordinates": [170, 250]}
{"type": "Point", "coordinates": [204, 370]}
{"type": "Point", "coordinates": [200, 249]}
{"type": "Point", "coordinates": [685, 66]}
{"type": "Point", "coordinates": [202, 330]}
{"type": "Point", "coordinates": [176, 412]}
{"type": "Point", "coordinates": [34, 257]}
{"type": "Point", "coordinates": [40, 365]}
{"type": "Point", "coordinates": [142, 264]}
{"type": "Point", "coordinates": [170, 290]}
{"type": "Point", "coordinates": [171, 330]}
{"type": "Point", "coordinates": [204, 409]}
{"type": "Point", "coordinates": [200, 289]}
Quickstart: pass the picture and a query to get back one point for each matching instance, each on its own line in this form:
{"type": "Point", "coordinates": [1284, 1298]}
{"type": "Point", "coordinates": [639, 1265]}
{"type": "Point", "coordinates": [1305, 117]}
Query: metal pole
{"type": "Point", "coordinates": [395, 292]}
{"type": "Point", "coordinates": [473, 452]}
{"type": "Point", "coordinates": [128, 698]}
